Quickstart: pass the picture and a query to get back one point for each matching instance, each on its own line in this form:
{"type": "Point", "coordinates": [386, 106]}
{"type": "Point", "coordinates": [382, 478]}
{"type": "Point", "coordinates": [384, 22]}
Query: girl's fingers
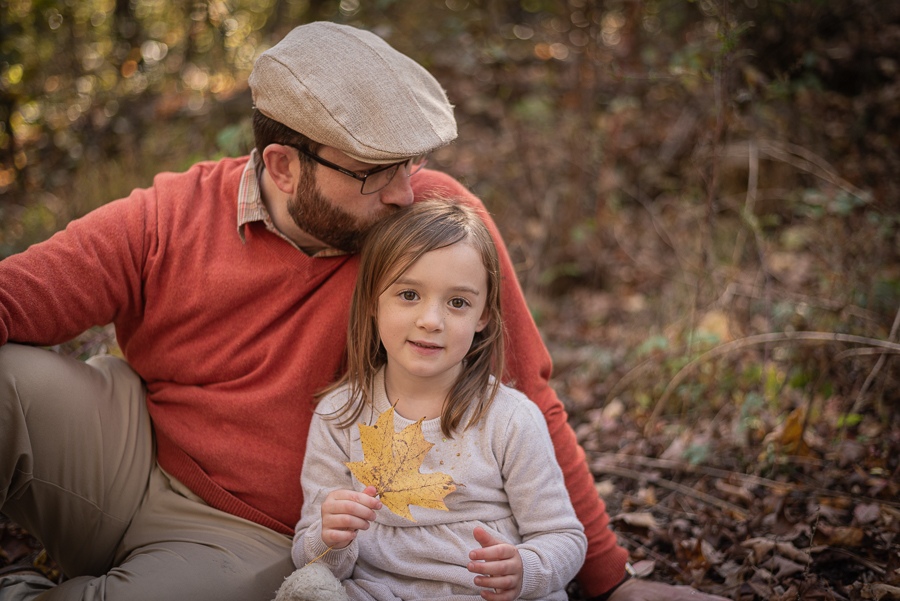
{"type": "Point", "coordinates": [500, 566]}
{"type": "Point", "coordinates": [350, 502]}
{"type": "Point", "coordinates": [484, 538]}
{"type": "Point", "coordinates": [498, 552]}
{"type": "Point", "coordinates": [344, 512]}
{"type": "Point", "coordinates": [365, 498]}
{"type": "Point", "coordinates": [507, 595]}
{"type": "Point", "coordinates": [491, 548]}
{"type": "Point", "coordinates": [492, 568]}
{"type": "Point", "coordinates": [343, 521]}
{"type": "Point", "coordinates": [496, 593]}
{"type": "Point", "coordinates": [498, 583]}
{"type": "Point", "coordinates": [338, 538]}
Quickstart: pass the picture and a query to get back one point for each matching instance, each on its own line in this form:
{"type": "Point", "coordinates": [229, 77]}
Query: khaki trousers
{"type": "Point", "coordinates": [78, 471]}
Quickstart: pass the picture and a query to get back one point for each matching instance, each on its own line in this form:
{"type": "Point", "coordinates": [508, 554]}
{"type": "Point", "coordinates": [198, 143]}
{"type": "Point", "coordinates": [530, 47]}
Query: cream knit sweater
{"type": "Point", "coordinates": [513, 489]}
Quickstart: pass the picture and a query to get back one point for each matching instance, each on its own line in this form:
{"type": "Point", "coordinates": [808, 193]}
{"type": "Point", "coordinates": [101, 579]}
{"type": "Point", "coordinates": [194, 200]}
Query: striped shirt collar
{"type": "Point", "coordinates": [250, 207]}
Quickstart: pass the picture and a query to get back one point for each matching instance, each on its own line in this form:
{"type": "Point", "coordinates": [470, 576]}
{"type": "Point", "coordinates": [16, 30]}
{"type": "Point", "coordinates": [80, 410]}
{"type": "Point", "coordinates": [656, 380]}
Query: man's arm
{"type": "Point", "coordinates": [528, 369]}
{"type": "Point", "coordinates": [86, 275]}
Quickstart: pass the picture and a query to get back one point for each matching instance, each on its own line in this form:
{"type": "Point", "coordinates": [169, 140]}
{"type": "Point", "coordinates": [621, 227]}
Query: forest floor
{"type": "Point", "coordinates": [731, 499]}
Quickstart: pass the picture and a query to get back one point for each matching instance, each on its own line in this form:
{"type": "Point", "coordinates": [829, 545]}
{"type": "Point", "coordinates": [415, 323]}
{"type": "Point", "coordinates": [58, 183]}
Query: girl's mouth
{"type": "Point", "coordinates": [425, 345]}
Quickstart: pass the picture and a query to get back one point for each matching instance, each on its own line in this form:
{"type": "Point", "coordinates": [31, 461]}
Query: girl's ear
{"type": "Point", "coordinates": [484, 320]}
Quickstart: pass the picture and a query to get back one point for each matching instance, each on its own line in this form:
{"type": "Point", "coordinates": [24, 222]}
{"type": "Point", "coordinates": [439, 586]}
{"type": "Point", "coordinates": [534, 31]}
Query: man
{"type": "Point", "coordinates": [176, 475]}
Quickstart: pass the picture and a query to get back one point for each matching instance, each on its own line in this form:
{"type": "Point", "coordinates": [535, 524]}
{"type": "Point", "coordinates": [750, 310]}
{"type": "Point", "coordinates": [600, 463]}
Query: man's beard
{"type": "Point", "coordinates": [315, 215]}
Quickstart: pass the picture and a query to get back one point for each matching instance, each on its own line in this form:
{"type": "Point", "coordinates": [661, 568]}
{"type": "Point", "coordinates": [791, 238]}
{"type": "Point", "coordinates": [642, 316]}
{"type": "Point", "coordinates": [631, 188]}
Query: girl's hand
{"type": "Point", "coordinates": [346, 511]}
{"type": "Point", "coordinates": [500, 563]}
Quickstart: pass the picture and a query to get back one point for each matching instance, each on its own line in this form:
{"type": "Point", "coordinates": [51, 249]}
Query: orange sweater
{"type": "Point", "coordinates": [233, 338]}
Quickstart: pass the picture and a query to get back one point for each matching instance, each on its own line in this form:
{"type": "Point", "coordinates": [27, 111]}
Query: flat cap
{"type": "Point", "coordinates": [347, 88]}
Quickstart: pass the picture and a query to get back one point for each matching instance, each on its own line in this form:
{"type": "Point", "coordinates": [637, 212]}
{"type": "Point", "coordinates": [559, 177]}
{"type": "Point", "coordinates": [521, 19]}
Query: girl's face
{"type": "Point", "coordinates": [428, 317]}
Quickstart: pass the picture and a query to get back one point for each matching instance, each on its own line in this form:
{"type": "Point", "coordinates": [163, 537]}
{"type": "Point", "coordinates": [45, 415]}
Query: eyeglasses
{"type": "Point", "coordinates": [375, 179]}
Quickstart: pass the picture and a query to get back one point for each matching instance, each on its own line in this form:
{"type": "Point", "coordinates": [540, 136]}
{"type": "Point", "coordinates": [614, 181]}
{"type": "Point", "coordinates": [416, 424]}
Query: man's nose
{"type": "Point", "coordinates": [399, 191]}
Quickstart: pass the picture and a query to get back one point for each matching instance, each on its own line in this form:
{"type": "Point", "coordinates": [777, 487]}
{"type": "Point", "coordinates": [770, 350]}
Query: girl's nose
{"type": "Point", "coordinates": [431, 317]}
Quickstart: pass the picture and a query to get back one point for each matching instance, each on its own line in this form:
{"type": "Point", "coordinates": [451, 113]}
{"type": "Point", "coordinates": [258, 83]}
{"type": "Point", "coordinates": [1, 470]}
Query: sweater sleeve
{"type": "Point", "coordinates": [324, 470]}
{"type": "Point", "coordinates": [86, 275]}
{"type": "Point", "coordinates": [553, 542]}
{"type": "Point", "coordinates": [528, 369]}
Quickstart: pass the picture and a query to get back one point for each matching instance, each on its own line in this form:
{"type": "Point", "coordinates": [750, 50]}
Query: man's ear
{"type": "Point", "coordinates": [282, 168]}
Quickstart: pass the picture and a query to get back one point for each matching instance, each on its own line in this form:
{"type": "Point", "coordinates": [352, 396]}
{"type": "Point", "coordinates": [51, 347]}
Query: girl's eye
{"type": "Point", "coordinates": [408, 295]}
{"type": "Point", "coordinates": [458, 303]}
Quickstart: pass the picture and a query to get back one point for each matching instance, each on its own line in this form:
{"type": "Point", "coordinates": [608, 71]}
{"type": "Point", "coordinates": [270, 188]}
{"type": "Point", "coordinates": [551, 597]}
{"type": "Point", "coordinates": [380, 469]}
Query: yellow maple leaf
{"type": "Point", "coordinates": [391, 465]}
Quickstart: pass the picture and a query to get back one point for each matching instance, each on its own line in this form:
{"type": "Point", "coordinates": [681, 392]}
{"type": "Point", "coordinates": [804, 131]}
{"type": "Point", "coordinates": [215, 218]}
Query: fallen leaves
{"type": "Point", "coordinates": [391, 465]}
{"type": "Point", "coordinates": [763, 547]}
{"type": "Point", "coordinates": [803, 540]}
{"type": "Point", "coordinates": [879, 591]}
{"type": "Point", "coordinates": [840, 536]}
{"type": "Point", "coordinates": [18, 547]}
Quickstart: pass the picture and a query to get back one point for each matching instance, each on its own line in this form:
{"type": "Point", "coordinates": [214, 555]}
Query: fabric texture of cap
{"type": "Point", "coordinates": [347, 88]}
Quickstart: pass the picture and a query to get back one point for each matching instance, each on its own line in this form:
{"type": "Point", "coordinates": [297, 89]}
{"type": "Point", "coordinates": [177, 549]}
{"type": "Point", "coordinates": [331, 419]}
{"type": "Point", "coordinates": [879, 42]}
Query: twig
{"type": "Point", "coordinates": [812, 537]}
{"type": "Point", "coordinates": [750, 202]}
{"type": "Point", "coordinates": [857, 405]}
{"type": "Point", "coordinates": [750, 217]}
{"type": "Point", "coordinates": [825, 170]}
{"type": "Point", "coordinates": [802, 159]}
{"type": "Point", "coordinates": [658, 226]}
{"type": "Point", "coordinates": [647, 268]}
{"type": "Point", "coordinates": [651, 552]}
{"type": "Point", "coordinates": [712, 188]}
{"type": "Point", "coordinates": [734, 289]}
{"type": "Point", "coordinates": [628, 378]}
{"type": "Point", "coordinates": [679, 466]}
{"type": "Point", "coordinates": [601, 459]}
{"type": "Point", "coordinates": [761, 339]}
{"type": "Point", "coordinates": [858, 352]}
{"type": "Point", "coordinates": [738, 512]}
{"type": "Point", "coordinates": [319, 557]}
{"type": "Point", "coordinates": [862, 561]}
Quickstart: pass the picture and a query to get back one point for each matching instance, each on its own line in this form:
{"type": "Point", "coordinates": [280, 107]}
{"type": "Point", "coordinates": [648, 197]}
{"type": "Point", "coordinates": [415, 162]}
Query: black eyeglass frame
{"type": "Point", "coordinates": [362, 177]}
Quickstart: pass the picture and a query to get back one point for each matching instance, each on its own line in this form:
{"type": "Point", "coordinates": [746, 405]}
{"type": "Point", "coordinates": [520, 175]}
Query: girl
{"type": "Point", "coordinates": [425, 336]}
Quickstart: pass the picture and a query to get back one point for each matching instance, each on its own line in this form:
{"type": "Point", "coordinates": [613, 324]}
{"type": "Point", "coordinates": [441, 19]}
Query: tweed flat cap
{"type": "Point", "coordinates": [347, 88]}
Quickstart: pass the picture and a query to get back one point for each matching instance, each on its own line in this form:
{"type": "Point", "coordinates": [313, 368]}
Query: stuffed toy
{"type": "Point", "coordinates": [313, 582]}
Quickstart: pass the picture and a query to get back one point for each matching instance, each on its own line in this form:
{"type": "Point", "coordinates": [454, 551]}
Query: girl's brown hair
{"type": "Point", "coordinates": [389, 249]}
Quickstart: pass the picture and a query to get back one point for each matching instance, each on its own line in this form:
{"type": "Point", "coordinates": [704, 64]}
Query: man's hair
{"type": "Point", "coordinates": [268, 131]}
{"type": "Point", "coordinates": [389, 249]}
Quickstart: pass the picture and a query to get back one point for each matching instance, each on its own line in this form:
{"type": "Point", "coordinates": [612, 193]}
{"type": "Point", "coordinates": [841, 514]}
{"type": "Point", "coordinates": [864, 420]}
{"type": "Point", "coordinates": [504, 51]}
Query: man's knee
{"type": "Point", "coordinates": [28, 372]}
{"type": "Point", "coordinates": [75, 451]}
{"type": "Point", "coordinates": [19, 362]}
{"type": "Point", "coordinates": [17, 370]}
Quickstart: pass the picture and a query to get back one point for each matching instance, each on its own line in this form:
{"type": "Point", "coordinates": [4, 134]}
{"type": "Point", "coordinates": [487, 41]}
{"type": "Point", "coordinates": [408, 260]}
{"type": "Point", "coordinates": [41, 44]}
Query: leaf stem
{"type": "Point", "coordinates": [320, 556]}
